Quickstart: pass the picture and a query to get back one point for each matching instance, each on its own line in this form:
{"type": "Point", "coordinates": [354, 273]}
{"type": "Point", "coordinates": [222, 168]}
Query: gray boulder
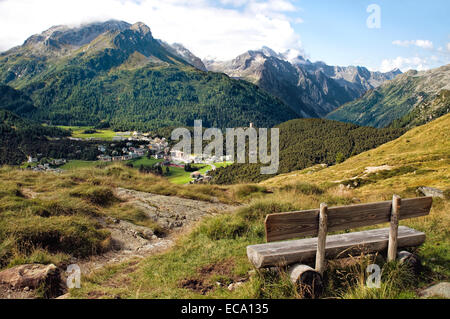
{"type": "Point", "coordinates": [430, 191]}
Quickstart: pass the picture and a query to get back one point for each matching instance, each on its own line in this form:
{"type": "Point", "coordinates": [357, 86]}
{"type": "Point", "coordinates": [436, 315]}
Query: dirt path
{"type": "Point", "coordinates": [129, 241]}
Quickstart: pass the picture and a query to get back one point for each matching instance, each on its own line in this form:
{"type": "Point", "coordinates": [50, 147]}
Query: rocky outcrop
{"type": "Point", "coordinates": [168, 211]}
{"type": "Point", "coordinates": [26, 278]}
{"type": "Point", "coordinates": [440, 290]}
{"type": "Point", "coordinates": [430, 191]}
{"type": "Point", "coordinates": [181, 51]}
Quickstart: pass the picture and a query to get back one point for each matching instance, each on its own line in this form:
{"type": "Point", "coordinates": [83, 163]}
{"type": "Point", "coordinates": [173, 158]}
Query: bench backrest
{"type": "Point", "coordinates": [306, 223]}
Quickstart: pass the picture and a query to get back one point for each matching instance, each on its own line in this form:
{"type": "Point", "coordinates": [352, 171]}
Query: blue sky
{"type": "Point", "coordinates": [336, 31]}
{"type": "Point", "coordinates": [413, 34]}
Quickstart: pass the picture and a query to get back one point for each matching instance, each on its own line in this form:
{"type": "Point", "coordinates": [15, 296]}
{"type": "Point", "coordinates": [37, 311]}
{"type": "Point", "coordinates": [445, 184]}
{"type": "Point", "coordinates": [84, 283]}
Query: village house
{"type": "Point", "coordinates": [105, 158]}
{"type": "Point", "coordinates": [32, 159]}
{"type": "Point", "coordinates": [102, 148]}
{"type": "Point", "coordinates": [59, 162]}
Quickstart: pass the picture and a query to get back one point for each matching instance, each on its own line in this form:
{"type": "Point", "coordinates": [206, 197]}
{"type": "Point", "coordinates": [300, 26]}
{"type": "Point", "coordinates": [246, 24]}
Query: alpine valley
{"type": "Point", "coordinates": [89, 180]}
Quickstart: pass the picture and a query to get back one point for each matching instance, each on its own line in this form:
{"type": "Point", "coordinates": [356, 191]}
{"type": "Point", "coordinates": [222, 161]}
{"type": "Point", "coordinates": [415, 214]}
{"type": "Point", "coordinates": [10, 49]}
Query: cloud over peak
{"type": "Point", "coordinates": [424, 44]}
{"type": "Point", "coordinates": [223, 29]}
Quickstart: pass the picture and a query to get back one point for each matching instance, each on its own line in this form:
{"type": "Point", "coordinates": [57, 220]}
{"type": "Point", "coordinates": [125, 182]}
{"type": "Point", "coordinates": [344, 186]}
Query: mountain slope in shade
{"type": "Point", "coordinates": [310, 89]}
{"type": "Point", "coordinates": [18, 136]}
{"type": "Point", "coordinates": [15, 101]}
{"type": "Point", "coordinates": [410, 99]}
{"type": "Point", "coordinates": [119, 74]}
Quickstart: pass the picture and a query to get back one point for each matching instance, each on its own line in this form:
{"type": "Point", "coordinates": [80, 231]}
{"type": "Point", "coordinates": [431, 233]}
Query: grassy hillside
{"type": "Point", "coordinates": [45, 219]}
{"type": "Point", "coordinates": [307, 142]}
{"type": "Point", "coordinates": [425, 148]}
{"type": "Point", "coordinates": [426, 111]}
{"type": "Point", "coordinates": [413, 98]}
{"type": "Point", "coordinates": [215, 251]}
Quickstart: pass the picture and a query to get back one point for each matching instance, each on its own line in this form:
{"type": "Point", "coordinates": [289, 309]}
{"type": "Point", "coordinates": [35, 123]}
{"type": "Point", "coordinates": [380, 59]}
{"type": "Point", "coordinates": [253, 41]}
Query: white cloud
{"type": "Point", "coordinates": [205, 26]}
{"type": "Point", "coordinates": [424, 44]}
{"type": "Point", "coordinates": [448, 47]}
{"type": "Point", "coordinates": [405, 63]}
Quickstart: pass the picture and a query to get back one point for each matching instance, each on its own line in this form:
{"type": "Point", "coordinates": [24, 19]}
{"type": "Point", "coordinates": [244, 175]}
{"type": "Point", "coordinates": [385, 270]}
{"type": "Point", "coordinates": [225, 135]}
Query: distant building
{"type": "Point", "coordinates": [104, 158]}
{"type": "Point", "coordinates": [58, 162]}
{"type": "Point", "coordinates": [32, 159]}
{"type": "Point", "coordinates": [102, 149]}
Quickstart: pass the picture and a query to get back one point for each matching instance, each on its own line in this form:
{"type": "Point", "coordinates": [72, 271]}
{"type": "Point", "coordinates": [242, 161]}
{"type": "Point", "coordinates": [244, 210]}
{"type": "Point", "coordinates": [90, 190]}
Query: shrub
{"type": "Point", "coordinates": [73, 235]}
{"type": "Point", "coordinates": [303, 188]}
{"type": "Point", "coordinates": [244, 191]}
{"type": "Point", "coordinates": [259, 209]}
{"type": "Point", "coordinates": [101, 196]}
{"type": "Point", "coordinates": [223, 227]}
{"type": "Point", "coordinates": [63, 207]}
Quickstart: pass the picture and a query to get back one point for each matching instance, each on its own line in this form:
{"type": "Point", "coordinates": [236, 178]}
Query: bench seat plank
{"type": "Point", "coordinates": [337, 246]}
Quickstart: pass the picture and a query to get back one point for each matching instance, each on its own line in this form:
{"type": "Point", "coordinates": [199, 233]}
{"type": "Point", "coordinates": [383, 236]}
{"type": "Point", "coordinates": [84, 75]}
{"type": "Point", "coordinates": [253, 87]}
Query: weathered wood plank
{"type": "Point", "coordinates": [337, 246]}
{"type": "Point", "coordinates": [306, 223]}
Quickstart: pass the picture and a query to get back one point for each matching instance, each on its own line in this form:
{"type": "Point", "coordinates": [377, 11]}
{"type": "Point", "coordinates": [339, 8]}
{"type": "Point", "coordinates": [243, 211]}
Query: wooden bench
{"type": "Point", "coordinates": [318, 222]}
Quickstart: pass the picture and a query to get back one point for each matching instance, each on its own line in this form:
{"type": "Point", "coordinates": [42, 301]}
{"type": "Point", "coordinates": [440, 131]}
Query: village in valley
{"type": "Point", "coordinates": [134, 147]}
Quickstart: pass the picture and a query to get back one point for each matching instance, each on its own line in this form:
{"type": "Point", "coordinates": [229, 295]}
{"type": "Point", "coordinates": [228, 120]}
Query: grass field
{"type": "Point", "coordinates": [76, 164]}
{"type": "Point", "coordinates": [180, 176]}
{"type": "Point", "coordinates": [176, 175]}
{"type": "Point", "coordinates": [144, 161]}
{"type": "Point", "coordinates": [78, 132]}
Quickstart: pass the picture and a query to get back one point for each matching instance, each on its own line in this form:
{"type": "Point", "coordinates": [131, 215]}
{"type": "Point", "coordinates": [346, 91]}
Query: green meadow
{"type": "Point", "coordinates": [79, 132]}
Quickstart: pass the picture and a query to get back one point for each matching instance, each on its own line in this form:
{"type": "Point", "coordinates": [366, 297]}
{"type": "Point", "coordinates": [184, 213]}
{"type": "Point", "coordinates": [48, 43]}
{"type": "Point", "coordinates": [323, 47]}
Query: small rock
{"type": "Point", "coordinates": [430, 191]}
{"type": "Point", "coordinates": [234, 285]}
{"type": "Point", "coordinates": [375, 169]}
{"type": "Point", "coordinates": [154, 237]}
{"type": "Point", "coordinates": [25, 278]}
{"type": "Point", "coordinates": [440, 290]}
{"type": "Point", "coordinates": [30, 276]}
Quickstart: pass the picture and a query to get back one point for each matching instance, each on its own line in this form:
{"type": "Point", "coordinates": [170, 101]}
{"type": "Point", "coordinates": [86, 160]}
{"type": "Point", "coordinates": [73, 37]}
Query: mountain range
{"type": "Point", "coordinates": [411, 99]}
{"type": "Point", "coordinates": [310, 89]}
{"type": "Point", "coordinates": [118, 74]}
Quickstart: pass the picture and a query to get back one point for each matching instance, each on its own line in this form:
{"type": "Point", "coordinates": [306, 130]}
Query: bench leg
{"type": "Point", "coordinates": [393, 231]}
{"type": "Point", "coordinates": [322, 239]}
{"type": "Point", "coordinates": [308, 281]}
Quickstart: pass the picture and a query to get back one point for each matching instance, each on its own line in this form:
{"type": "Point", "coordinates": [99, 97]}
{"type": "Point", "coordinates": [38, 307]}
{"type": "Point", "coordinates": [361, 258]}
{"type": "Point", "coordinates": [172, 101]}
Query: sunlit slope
{"type": "Point", "coordinates": [421, 157]}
